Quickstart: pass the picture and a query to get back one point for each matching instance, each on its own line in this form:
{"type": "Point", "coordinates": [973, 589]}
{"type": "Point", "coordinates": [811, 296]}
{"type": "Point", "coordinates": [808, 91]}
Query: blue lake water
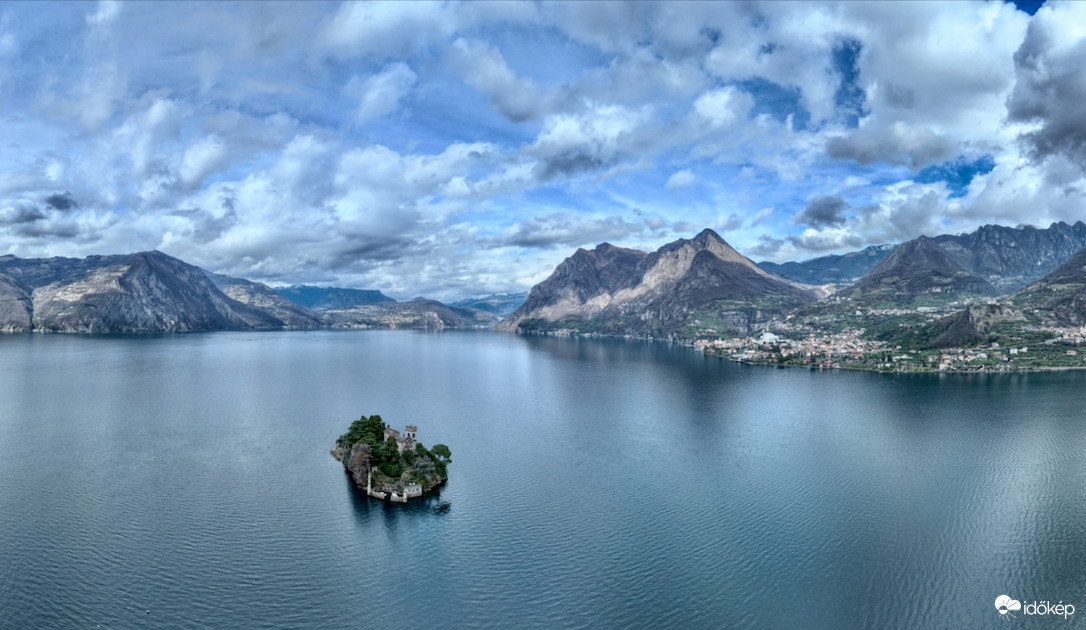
{"type": "Point", "coordinates": [185, 481]}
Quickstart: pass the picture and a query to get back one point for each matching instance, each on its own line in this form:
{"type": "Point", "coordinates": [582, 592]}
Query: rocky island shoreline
{"type": "Point", "coordinates": [391, 466]}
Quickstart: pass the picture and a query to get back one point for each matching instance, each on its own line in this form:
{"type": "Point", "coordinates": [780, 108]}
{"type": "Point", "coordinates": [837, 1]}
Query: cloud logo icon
{"type": "Point", "coordinates": [1004, 604]}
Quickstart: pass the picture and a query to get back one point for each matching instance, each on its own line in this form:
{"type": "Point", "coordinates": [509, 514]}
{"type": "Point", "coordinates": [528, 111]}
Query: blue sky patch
{"type": "Point", "coordinates": [777, 100]}
{"type": "Point", "coordinates": [957, 173]}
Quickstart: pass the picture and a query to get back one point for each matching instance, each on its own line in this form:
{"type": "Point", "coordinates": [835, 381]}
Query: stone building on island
{"type": "Point", "coordinates": [407, 441]}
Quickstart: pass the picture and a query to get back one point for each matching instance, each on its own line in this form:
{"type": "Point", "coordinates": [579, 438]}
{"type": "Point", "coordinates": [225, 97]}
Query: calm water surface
{"type": "Point", "coordinates": [185, 482]}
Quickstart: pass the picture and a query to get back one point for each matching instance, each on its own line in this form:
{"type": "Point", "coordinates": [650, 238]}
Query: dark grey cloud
{"type": "Point", "coordinates": [823, 211]}
{"type": "Point", "coordinates": [207, 227]}
{"type": "Point", "coordinates": [822, 242]}
{"type": "Point", "coordinates": [567, 164]}
{"type": "Point", "coordinates": [49, 230]}
{"type": "Point", "coordinates": [767, 247]}
{"type": "Point", "coordinates": [62, 201]}
{"type": "Point", "coordinates": [20, 213]}
{"type": "Point", "coordinates": [363, 248]}
{"type": "Point", "coordinates": [899, 144]}
{"type": "Point", "coordinates": [562, 229]}
{"type": "Point", "coordinates": [1050, 89]}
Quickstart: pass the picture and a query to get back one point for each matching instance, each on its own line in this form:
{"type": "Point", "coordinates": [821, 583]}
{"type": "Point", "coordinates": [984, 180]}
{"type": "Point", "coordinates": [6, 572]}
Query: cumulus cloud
{"type": "Point", "coordinates": [571, 144]}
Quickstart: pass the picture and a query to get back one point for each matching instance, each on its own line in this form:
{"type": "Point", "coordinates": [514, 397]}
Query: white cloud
{"type": "Point", "coordinates": [201, 159]}
{"type": "Point", "coordinates": [592, 140]}
{"type": "Point", "coordinates": [484, 68]}
{"type": "Point", "coordinates": [761, 217]}
{"type": "Point", "coordinates": [681, 179]}
{"type": "Point", "coordinates": [724, 107]}
{"type": "Point", "coordinates": [383, 30]}
{"type": "Point", "coordinates": [106, 12]}
{"type": "Point", "coordinates": [380, 94]}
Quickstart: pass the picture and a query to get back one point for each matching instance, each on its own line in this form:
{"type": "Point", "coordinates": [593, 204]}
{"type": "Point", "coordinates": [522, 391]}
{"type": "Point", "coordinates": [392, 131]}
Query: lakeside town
{"type": "Point", "coordinates": [1040, 348]}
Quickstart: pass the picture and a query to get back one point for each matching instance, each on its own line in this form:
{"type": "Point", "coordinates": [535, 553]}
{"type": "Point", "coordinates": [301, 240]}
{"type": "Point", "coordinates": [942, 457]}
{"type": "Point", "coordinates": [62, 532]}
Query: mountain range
{"type": "Point", "coordinates": [703, 288]}
{"type": "Point", "coordinates": [1008, 258]}
{"type": "Point", "coordinates": [690, 288]}
{"type": "Point", "coordinates": [501, 304]}
{"type": "Point", "coordinates": [154, 292]}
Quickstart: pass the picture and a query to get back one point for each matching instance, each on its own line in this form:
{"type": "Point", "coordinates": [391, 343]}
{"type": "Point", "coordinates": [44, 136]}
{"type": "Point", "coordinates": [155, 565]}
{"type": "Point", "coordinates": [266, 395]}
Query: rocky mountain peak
{"type": "Point", "coordinates": [668, 292]}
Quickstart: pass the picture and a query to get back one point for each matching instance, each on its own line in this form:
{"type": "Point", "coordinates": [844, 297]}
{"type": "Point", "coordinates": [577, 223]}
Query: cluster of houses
{"type": "Point", "coordinates": [768, 346]}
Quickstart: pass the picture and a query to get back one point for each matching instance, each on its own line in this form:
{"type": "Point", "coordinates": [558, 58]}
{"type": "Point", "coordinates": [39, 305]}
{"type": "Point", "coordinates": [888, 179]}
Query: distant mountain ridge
{"type": "Point", "coordinates": [1008, 258]}
{"type": "Point", "coordinates": [329, 298]}
{"type": "Point", "coordinates": [501, 304]}
{"type": "Point", "coordinates": [832, 269]}
{"type": "Point", "coordinates": [685, 288]}
{"type": "Point", "coordinates": [417, 313]}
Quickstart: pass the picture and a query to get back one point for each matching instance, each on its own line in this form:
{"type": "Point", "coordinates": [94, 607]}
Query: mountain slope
{"type": "Point", "coordinates": [263, 298]}
{"type": "Point", "coordinates": [685, 289]}
{"type": "Point", "coordinates": [148, 291]}
{"type": "Point", "coordinates": [917, 270]}
{"type": "Point", "coordinates": [1060, 297]}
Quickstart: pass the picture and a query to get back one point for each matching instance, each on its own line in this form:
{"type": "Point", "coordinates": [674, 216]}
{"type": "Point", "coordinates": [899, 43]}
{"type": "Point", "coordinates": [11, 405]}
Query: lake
{"type": "Point", "coordinates": [185, 481]}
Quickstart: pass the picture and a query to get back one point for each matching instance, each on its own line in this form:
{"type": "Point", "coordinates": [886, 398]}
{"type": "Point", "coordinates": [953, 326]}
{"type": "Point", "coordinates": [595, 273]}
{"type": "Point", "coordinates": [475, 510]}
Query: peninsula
{"type": "Point", "coordinates": [390, 465]}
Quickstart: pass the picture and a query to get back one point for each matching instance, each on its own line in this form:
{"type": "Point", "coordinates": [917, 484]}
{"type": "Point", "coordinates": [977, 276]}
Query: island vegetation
{"type": "Point", "coordinates": [388, 464]}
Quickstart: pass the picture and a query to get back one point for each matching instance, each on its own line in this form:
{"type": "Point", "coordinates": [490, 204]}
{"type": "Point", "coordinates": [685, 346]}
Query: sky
{"type": "Point", "coordinates": [458, 149]}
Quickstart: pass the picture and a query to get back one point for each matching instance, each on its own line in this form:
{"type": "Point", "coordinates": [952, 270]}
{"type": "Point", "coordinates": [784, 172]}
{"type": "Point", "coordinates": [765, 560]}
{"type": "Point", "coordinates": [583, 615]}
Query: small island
{"type": "Point", "coordinates": [391, 466]}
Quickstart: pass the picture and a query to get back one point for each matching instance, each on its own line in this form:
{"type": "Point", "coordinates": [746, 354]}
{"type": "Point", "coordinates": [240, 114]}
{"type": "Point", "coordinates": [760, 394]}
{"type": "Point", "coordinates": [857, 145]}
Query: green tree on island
{"type": "Point", "coordinates": [443, 452]}
{"type": "Point", "coordinates": [391, 462]}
